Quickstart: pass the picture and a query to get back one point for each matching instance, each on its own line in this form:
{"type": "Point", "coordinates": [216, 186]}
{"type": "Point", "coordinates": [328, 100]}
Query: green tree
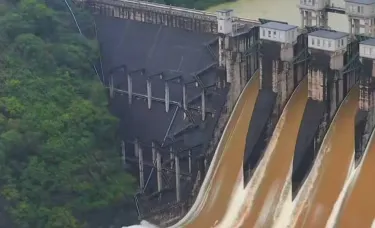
{"type": "Point", "coordinates": [59, 158]}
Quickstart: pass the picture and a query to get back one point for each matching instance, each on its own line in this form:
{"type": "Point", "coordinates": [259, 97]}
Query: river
{"type": "Point", "coordinates": [285, 10]}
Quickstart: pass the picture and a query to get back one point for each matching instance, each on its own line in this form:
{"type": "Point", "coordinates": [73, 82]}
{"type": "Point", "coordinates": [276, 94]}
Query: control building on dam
{"type": "Point", "coordinates": [174, 76]}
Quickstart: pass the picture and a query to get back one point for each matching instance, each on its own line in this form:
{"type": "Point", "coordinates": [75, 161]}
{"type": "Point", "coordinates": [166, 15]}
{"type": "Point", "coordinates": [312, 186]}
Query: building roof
{"type": "Point", "coordinates": [368, 42]}
{"type": "Point", "coordinates": [278, 26]}
{"type": "Point", "coordinates": [328, 34]}
{"type": "Point", "coordinates": [364, 2]}
{"type": "Point", "coordinates": [224, 10]}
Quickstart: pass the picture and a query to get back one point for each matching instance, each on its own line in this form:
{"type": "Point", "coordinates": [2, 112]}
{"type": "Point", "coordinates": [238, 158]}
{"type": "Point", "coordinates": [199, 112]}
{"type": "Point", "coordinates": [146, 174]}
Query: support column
{"type": "Point", "coordinates": [177, 165]}
{"type": "Point", "coordinates": [357, 26]}
{"type": "Point", "coordinates": [136, 148]}
{"type": "Point", "coordinates": [166, 97]}
{"type": "Point", "coordinates": [350, 26]}
{"type": "Point", "coordinates": [171, 156]}
{"type": "Point", "coordinates": [111, 87]}
{"type": "Point", "coordinates": [130, 88]}
{"type": "Point", "coordinates": [184, 102]}
{"type": "Point", "coordinates": [190, 161]}
{"type": "Point", "coordinates": [141, 172]}
{"type": "Point", "coordinates": [302, 18]}
{"type": "Point", "coordinates": [203, 95]}
{"type": "Point", "coordinates": [149, 94]}
{"type": "Point", "coordinates": [159, 171]}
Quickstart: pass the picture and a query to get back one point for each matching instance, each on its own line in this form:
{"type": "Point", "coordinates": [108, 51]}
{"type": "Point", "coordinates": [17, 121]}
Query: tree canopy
{"type": "Point", "coordinates": [59, 156]}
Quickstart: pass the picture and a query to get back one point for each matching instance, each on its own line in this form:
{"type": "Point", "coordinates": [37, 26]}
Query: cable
{"type": "Point", "coordinates": [80, 31]}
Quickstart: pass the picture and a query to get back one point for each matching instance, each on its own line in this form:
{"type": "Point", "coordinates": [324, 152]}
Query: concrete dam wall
{"type": "Point", "coordinates": [228, 124]}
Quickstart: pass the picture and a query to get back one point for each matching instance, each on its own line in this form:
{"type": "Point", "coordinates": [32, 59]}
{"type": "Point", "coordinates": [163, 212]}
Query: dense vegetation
{"type": "Point", "coordinates": [194, 4]}
{"type": "Point", "coordinates": [59, 157]}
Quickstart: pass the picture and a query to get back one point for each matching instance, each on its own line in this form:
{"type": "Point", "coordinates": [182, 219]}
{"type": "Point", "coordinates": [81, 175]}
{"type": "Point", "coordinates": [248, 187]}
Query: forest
{"type": "Point", "coordinates": [60, 159]}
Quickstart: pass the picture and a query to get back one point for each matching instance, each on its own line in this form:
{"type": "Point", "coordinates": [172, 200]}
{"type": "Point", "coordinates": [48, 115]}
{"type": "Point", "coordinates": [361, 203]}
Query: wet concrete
{"type": "Point", "coordinates": [280, 162]}
{"type": "Point", "coordinates": [335, 166]}
{"type": "Point", "coordinates": [358, 209]}
{"type": "Point", "coordinates": [230, 165]}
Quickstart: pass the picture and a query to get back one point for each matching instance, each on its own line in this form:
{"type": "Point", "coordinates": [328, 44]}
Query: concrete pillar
{"type": "Point", "coordinates": [357, 26]}
{"type": "Point", "coordinates": [302, 18]}
{"type": "Point", "coordinates": [130, 88]}
{"type": "Point", "coordinates": [184, 102]}
{"type": "Point", "coordinates": [141, 172]}
{"type": "Point", "coordinates": [203, 97]}
{"type": "Point", "coordinates": [159, 171]}
{"type": "Point", "coordinates": [166, 97]}
{"type": "Point", "coordinates": [111, 87]}
{"type": "Point", "coordinates": [260, 72]}
{"type": "Point", "coordinates": [149, 93]}
{"type": "Point", "coordinates": [123, 152]}
{"type": "Point", "coordinates": [171, 156]}
{"type": "Point", "coordinates": [190, 161]}
{"type": "Point", "coordinates": [153, 151]}
{"type": "Point", "coordinates": [275, 76]}
{"type": "Point", "coordinates": [221, 52]}
{"type": "Point", "coordinates": [350, 26]}
{"type": "Point", "coordinates": [177, 161]}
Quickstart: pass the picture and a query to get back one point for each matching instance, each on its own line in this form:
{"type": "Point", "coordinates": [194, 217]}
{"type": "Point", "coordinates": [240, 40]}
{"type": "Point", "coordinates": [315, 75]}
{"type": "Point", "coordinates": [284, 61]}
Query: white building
{"type": "Point", "coordinates": [278, 32]}
{"type": "Point", "coordinates": [367, 49]}
{"type": "Point", "coordinates": [328, 40]}
{"type": "Point", "coordinates": [361, 14]}
{"type": "Point", "coordinates": [224, 21]}
{"type": "Point", "coordinates": [332, 42]}
{"type": "Point", "coordinates": [314, 11]}
{"type": "Point", "coordinates": [315, 5]}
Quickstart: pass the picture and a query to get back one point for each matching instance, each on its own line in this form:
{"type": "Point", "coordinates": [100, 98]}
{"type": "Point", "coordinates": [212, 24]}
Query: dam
{"type": "Point", "coordinates": [235, 122]}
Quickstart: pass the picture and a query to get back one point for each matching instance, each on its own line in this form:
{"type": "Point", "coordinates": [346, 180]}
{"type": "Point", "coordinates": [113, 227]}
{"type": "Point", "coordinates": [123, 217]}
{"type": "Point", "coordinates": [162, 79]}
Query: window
{"type": "Point", "coordinates": [329, 43]}
{"type": "Point", "coordinates": [358, 9]}
{"type": "Point", "coordinates": [264, 33]}
{"type": "Point", "coordinates": [221, 28]}
{"type": "Point", "coordinates": [269, 33]}
{"type": "Point", "coordinates": [313, 41]}
{"type": "Point", "coordinates": [274, 34]}
{"type": "Point", "coordinates": [318, 42]}
{"type": "Point", "coordinates": [342, 42]}
{"type": "Point", "coordinates": [367, 51]}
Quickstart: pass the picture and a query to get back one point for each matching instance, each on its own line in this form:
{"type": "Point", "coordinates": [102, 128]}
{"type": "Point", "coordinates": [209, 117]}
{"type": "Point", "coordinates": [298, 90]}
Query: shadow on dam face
{"type": "Point", "coordinates": [338, 152]}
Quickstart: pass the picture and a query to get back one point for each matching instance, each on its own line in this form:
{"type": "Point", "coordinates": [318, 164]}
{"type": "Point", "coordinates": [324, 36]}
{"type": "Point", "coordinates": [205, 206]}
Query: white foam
{"type": "Point", "coordinates": [143, 224]}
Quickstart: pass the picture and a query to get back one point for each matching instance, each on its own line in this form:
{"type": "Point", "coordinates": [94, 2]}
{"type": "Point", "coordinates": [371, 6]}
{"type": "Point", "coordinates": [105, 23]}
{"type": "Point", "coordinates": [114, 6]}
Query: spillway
{"type": "Point", "coordinates": [226, 168]}
{"type": "Point", "coordinates": [358, 208]}
{"type": "Point", "coordinates": [337, 153]}
{"type": "Point", "coordinates": [258, 211]}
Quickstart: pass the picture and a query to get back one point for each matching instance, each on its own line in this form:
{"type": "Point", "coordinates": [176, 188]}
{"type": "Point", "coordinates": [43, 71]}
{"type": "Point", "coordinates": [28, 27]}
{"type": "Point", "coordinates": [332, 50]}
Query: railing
{"type": "Point", "coordinates": [170, 9]}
